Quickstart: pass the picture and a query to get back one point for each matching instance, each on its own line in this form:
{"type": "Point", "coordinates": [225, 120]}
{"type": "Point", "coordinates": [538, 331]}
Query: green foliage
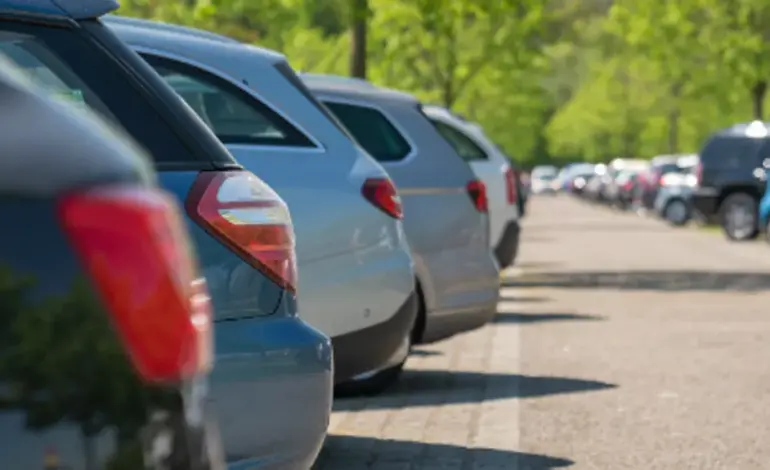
{"type": "Point", "coordinates": [550, 80]}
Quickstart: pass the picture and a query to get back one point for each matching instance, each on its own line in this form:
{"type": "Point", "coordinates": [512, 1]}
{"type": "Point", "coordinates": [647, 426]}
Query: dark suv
{"type": "Point", "coordinates": [92, 252]}
{"type": "Point", "coordinates": [731, 178]}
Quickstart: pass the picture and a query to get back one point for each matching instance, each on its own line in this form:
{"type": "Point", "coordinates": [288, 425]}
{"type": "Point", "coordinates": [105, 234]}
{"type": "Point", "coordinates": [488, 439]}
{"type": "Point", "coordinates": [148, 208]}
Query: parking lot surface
{"type": "Point", "coordinates": [620, 343]}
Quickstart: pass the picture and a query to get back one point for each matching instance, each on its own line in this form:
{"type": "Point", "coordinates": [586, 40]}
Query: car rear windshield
{"type": "Point", "coordinates": [73, 67]}
{"type": "Point", "coordinates": [723, 151]}
{"type": "Point", "coordinates": [372, 130]}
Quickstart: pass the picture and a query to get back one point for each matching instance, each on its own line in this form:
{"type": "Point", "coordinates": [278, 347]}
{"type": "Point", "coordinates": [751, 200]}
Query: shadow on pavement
{"type": "Point", "coordinates": [424, 353]}
{"type": "Point", "coordinates": [358, 452]}
{"type": "Point", "coordinates": [602, 227]}
{"type": "Point", "coordinates": [435, 387]}
{"type": "Point", "coordinates": [538, 265]}
{"type": "Point", "coordinates": [527, 318]}
{"type": "Point", "coordinates": [515, 298]}
{"type": "Point", "coordinates": [647, 280]}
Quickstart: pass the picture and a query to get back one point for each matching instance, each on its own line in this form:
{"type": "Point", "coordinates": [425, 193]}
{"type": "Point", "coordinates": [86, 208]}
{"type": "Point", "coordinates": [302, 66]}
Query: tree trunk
{"type": "Point", "coordinates": [758, 92]}
{"type": "Point", "coordinates": [673, 119]}
{"type": "Point", "coordinates": [360, 12]}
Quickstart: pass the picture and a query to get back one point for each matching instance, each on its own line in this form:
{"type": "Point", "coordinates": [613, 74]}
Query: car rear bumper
{"type": "Point", "coordinates": [508, 245]}
{"type": "Point", "coordinates": [373, 348]}
{"type": "Point", "coordinates": [272, 390]}
{"type": "Point", "coordinates": [445, 325]}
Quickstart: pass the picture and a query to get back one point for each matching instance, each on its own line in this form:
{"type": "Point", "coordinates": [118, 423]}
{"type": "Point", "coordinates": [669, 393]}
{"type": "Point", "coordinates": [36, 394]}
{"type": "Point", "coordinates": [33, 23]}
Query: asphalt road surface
{"type": "Point", "coordinates": [620, 343]}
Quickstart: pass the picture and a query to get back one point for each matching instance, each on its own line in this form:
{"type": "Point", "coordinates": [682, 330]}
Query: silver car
{"type": "Point", "coordinates": [445, 206]}
{"type": "Point", "coordinates": [673, 201]}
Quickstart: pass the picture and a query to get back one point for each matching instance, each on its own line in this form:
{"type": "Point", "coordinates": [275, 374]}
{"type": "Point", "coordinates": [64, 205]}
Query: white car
{"type": "Point", "coordinates": [492, 167]}
{"type": "Point", "coordinates": [544, 179]}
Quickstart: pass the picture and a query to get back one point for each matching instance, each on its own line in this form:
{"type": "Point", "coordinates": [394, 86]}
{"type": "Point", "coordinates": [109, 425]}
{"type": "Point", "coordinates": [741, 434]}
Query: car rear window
{"type": "Point", "coordinates": [464, 146]}
{"type": "Point", "coordinates": [730, 151]}
{"type": "Point", "coordinates": [72, 67]}
{"type": "Point", "coordinates": [372, 130]}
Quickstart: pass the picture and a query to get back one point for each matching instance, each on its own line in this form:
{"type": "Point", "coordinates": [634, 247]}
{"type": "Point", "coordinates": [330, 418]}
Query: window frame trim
{"type": "Point", "coordinates": [317, 146]}
{"type": "Point", "coordinates": [323, 98]}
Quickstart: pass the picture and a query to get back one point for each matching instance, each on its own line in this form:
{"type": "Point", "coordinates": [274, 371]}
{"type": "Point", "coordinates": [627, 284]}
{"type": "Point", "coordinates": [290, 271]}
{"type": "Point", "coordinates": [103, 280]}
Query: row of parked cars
{"type": "Point", "coordinates": [725, 184]}
{"type": "Point", "coordinates": [196, 231]}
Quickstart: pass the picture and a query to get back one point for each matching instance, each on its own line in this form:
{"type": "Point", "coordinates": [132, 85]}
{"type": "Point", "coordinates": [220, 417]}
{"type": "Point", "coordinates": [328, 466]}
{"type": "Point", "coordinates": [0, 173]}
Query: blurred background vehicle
{"type": "Point", "coordinates": [94, 254]}
{"type": "Point", "coordinates": [358, 282]}
{"type": "Point", "coordinates": [618, 168]}
{"type": "Point", "coordinates": [445, 212]}
{"type": "Point", "coordinates": [271, 409]}
{"type": "Point", "coordinates": [575, 176]}
{"type": "Point", "coordinates": [543, 180]}
{"type": "Point", "coordinates": [731, 179]}
{"type": "Point", "coordinates": [648, 182]}
{"type": "Point", "coordinates": [493, 169]}
{"type": "Point", "coordinates": [673, 199]}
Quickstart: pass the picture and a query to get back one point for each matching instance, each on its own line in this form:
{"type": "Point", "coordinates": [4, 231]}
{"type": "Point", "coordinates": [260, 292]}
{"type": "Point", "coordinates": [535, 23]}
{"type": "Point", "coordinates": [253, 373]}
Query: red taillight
{"type": "Point", "coordinates": [477, 190]}
{"type": "Point", "coordinates": [510, 186]}
{"type": "Point", "coordinates": [628, 185]}
{"type": "Point", "coordinates": [383, 195]}
{"type": "Point", "coordinates": [132, 243]}
{"type": "Point", "coordinates": [247, 216]}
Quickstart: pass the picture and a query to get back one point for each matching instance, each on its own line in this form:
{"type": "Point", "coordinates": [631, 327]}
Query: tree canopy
{"type": "Point", "coordinates": [550, 80]}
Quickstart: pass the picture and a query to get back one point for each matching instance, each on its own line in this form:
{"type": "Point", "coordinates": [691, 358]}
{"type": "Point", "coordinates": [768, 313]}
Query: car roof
{"type": "Point", "coordinates": [70, 9]}
{"type": "Point", "coordinates": [344, 87]}
{"type": "Point", "coordinates": [748, 130]}
{"type": "Point", "coordinates": [172, 38]}
{"type": "Point", "coordinates": [161, 26]}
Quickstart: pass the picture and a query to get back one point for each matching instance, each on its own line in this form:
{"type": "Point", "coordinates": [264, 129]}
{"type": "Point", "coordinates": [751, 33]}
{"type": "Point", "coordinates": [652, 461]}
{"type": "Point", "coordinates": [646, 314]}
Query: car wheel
{"type": "Point", "coordinates": [676, 212]}
{"type": "Point", "coordinates": [739, 217]}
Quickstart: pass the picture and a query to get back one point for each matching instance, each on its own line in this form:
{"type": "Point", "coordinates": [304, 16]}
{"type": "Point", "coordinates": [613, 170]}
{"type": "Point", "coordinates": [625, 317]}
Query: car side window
{"type": "Point", "coordinates": [463, 145]}
{"type": "Point", "coordinates": [235, 116]}
{"type": "Point", "coordinates": [372, 130]}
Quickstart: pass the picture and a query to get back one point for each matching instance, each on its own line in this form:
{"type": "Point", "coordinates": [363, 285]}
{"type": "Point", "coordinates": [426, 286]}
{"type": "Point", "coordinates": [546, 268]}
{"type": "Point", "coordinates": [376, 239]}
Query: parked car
{"type": "Point", "coordinates": [519, 178]}
{"type": "Point", "coordinates": [674, 197]}
{"type": "Point", "coordinates": [95, 253]}
{"type": "Point", "coordinates": [573, 176]}
{"type": "Point", "coordinates": [649, 181]}
{"type": "Point", "coordinates": [272, 384]}
{"type": "Point", "coordinates": [445, 205]}
{"type": "Point", "coordinates": [543, 180]}
{"type": "Point", "coordinates": [492, 168]}
{"type": "Point", "coordinates": [731, 179]}
{"type": "Point", "coordinates": [621, 191]}
{"type": "Point", "coordinates": [619, 168]}
{"type": "Point", "coordinates": [357, 275]}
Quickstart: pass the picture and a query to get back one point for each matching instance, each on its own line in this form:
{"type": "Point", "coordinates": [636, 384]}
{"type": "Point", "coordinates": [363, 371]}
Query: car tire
{"type": "Point", "coordinates": [739, 217]}
{"type": "Point", "coordinates": [676, 212]}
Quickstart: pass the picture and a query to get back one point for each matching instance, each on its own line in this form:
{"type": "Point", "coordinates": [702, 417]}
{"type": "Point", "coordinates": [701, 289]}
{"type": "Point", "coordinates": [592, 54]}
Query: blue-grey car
{"type": "Point", "coordinates": [445, 205]}
{"type": "Point", "coordinates": [272, 381]}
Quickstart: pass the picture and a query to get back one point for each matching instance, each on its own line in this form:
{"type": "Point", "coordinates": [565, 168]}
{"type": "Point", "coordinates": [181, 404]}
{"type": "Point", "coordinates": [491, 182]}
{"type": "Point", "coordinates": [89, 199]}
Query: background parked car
{"type": "Point", "coordinates": [94, 254]}
{"type": "Point", "coordinates": [271, 409]}
{"type": "Point", "coordinates": [445, 212]}
{"type": "Point", "coordinates": [731, 179]}
{"type": "Point", "coordinates": [649, 181]}
{"type": "Point", "coordinates": [493, 169]}
{"type": "Point", "coordinates": [358, 283]}
{"type": "Point", "coordinates": [764, 212]}
{"type": "Point", "coordinates": [543, 180]}
{"type": "Point", "coordinates": [674, 196]}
